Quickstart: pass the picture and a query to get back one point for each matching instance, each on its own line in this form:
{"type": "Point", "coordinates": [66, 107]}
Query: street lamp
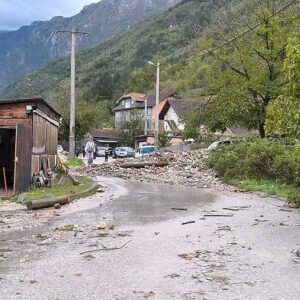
{"type": "Point", "coordinates": [156, 131]}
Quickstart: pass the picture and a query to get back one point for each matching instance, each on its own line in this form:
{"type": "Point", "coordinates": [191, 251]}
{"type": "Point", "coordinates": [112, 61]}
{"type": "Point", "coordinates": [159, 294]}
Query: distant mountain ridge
{"type": "Point", "coordinates": [120, 64]}
{"type": "Point", "coordinates": [31, 47]}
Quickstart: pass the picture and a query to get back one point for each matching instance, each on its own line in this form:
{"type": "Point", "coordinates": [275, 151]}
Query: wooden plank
{"type": "Point", "coordinates": [15, 111]}
{"type": "Point", "coordinates": [23, 172]}
{"type": "Point", "coordinates": [46, 117]}
{"type": "Point", "coordinates": [5, 181]}
{"type": "Point", "coordinates": [12, 123]}
{"type": "Point", "coordinates": [143, 165]}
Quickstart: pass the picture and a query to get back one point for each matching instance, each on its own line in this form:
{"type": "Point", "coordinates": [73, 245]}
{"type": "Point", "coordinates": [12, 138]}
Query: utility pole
{"type": "Point", "coordinates": [156, 132]}
{"type": "Point", "coordinates": [157, 107]}
{"type": "Point", "coordinates": [146, 116]}
{"type": "Point", "coordinates": [73, 33]}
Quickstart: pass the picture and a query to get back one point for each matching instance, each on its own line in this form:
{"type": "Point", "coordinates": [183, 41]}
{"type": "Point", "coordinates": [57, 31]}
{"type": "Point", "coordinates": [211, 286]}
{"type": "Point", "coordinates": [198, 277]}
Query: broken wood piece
{"type": "Point", "coordinates": [143, 165]}
{"type": "Point", "coordinates": [44, 203]}
{"type": "Point", "coordinates": [218, 215]}
{"type": "Point", "coordinates": [5, 181]}
{"type": "Point", "coordinates": [175, 208]}
{"type": "Point", "coordinates": [73, 179]}
{"type": "Point", "coordinates": [237, 208]}
{"type": "Point", "coordinates": [225, 228]}
{"type": "Point", "coordinates": [296, 260]}
{"type": "Point", "coordinates": [286, 210]}
{"type": "Point", "coordinates": [62, 180]}
{"type": "Point", "coordinates": [189, 222]}
{"type": "Point", "coordinates": [106, 249]}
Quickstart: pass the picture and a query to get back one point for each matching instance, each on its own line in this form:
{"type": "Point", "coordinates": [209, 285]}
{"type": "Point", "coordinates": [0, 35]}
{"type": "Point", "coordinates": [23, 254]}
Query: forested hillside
{"type": "Point", "coordinates": [233, 49]}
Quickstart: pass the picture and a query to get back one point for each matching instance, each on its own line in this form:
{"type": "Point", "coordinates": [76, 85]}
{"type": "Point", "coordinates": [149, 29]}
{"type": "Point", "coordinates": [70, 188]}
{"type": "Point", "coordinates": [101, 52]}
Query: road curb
{"type": "Point", "coordinates": [37, 204]}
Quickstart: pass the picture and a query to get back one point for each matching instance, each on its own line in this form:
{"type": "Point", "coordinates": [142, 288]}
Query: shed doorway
{"type": "Point", "coordinates": [7, 158]}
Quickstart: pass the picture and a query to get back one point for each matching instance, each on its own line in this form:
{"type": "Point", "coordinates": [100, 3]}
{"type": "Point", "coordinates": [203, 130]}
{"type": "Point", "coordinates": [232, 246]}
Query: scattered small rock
{"type": "Point", "coordinates": [89, 257]}
{"type": "Point", "coordinates": [68, 227]}
{"type": "Point", "coordinates": [292, 205]}
{"type": "Point", "coordinates": [297, 252]}
{"type": "Point", "coordinates": [32, 281]}
{"type": "Point", "coordinates": [45, 242]}
{"type": "Point", "coordinates": [283, 224]}
{"type": "Point", "coordinates": [105, 225]}
{"type": "Point", "coordinates": [57, 206]}
{"type": "Point", "coordinates": [173, 275]}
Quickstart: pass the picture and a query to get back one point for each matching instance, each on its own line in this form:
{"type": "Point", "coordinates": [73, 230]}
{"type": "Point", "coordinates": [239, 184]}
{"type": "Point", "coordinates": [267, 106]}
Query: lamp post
{"type": "Point", "coordinates": [156, 131]}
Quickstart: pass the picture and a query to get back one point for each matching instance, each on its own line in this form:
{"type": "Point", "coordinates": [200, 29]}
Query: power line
{"type": "Point", "coordinates": [244, 33]}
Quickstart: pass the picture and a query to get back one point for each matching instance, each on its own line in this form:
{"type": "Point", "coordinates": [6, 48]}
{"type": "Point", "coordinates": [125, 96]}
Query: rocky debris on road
{"type": "Point", "coordinates": [187, 169]}
{"type": "Point", "coordinates": [105, 225]}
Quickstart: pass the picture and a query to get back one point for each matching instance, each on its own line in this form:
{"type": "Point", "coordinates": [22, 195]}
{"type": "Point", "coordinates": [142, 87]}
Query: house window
{"type": "Point", "coordinates": [127, 104]}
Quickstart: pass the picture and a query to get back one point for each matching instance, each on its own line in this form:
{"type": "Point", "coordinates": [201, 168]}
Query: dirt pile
{"type": "Point", "coordinates": [187, 169]}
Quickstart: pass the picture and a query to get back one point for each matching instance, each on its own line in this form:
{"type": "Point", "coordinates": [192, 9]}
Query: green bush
{"type": "Point", "coordinates": [287, 166]}
{"type": "Point", "coordinates": [259, 159]}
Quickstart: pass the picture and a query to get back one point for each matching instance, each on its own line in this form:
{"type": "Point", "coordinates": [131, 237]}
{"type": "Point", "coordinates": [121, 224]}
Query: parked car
{"type": "Point", "coordinates": [100, 151]}
{"type": "Point", "coordinates": [145, 150]}
{"type": "Point", "coordinates": [122, 152]}
{"type": "Point", "coordinates": [218, 144]}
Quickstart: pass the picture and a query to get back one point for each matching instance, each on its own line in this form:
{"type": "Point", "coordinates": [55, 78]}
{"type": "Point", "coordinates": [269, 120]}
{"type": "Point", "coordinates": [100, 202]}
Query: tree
{"type": "Point", "coordinates": [86, 112]}
{"type": "Point", "coordinates": [246, 73]}
{"type": "Point", "coordinates": [129, 128]}
{"type": "Point", "coordinates": [164, 139]}
{"type": "Point", "coordinates": [284, 112]}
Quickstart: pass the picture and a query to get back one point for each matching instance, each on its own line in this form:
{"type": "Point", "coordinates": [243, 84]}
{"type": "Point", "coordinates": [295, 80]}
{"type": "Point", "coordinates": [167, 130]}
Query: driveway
{"type": "Point", "coordinates": [161, 242]}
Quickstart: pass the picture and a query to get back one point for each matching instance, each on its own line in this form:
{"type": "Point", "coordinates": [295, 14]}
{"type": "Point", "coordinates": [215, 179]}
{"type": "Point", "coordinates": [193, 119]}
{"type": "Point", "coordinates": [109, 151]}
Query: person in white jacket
{"type": "Point", "coordinates": [90, 150]}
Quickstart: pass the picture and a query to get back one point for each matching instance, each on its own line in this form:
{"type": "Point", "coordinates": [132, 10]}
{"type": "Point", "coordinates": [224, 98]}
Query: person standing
{"type": "Point", "coordinates": [77, 150]}
{"type": "Point", "coordinates": [106, 154]}
{"type": "Point", "coordinates": [90, 150]}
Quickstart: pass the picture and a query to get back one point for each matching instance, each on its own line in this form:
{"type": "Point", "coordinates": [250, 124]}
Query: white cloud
{"type": "Point", "coordinates": [15, 13]}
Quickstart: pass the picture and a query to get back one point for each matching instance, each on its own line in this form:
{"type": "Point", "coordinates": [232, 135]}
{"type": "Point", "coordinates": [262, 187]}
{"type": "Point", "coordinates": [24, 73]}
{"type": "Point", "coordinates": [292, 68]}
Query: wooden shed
{"type": "Point", "coordinates": [28, 138]}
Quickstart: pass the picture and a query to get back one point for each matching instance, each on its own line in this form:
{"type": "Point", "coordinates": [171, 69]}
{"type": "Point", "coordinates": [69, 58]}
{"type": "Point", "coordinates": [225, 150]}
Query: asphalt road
{"type": "Point", "coordinates": [245, 252]}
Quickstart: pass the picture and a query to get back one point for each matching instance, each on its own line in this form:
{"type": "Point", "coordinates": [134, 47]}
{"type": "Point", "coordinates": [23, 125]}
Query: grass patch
{"type": "Point", "coordinates": [267, 186]}
{"type": "Point", "coordinates": [68, 188]}
{"type": "Point", "coordinates": [75, 162]}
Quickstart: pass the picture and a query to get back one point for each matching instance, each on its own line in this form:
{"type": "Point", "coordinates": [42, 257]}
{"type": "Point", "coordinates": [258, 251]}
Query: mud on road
{"type": "Point", "coordinates": [132, 244]}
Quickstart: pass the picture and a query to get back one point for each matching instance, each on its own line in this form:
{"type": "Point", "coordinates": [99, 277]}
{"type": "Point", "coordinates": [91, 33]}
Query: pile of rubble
{"type": "Point", "coordinates": [186, 169]}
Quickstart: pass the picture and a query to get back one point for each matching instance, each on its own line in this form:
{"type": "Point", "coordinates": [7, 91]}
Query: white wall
{"type": "Point", "coordinates": [171, 115]}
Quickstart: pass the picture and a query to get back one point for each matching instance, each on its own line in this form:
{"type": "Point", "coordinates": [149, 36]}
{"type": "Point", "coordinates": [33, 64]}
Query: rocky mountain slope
{"type": "Point", "coordinates": [104, 71]}
{"type": "Point", "coordinates": [31, 47]}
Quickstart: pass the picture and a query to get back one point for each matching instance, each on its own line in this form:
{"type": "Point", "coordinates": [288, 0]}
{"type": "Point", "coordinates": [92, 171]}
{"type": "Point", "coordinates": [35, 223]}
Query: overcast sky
{"type": "Point", "coordinates": [15, 13]}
